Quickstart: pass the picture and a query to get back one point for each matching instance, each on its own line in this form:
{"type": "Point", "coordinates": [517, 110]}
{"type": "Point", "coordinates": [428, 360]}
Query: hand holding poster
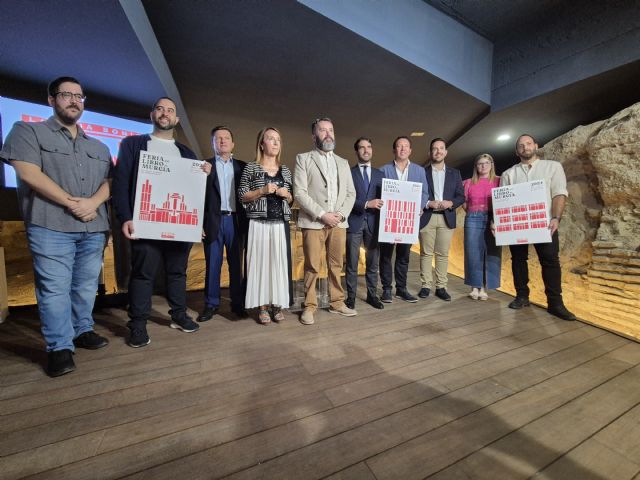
{"type": "Point", "coordinates": [169, 198]}
{"type": "Point", "coordinates": [400, 213]}
{"type": "Point", "coordinates": [521, 213]}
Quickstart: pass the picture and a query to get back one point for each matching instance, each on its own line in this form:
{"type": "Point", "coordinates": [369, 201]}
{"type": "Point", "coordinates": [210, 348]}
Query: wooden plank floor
{"type": "Point", "coordinates": [460, 390]}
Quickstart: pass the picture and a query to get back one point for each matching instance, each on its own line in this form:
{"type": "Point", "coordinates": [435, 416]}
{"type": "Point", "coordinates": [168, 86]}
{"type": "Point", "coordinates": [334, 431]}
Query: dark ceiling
{"type": "Point", "coordinates": [252, 63]}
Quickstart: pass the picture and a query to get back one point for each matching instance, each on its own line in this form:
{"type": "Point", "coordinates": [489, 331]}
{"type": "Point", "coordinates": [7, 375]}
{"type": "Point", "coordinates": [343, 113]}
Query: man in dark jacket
{"type": "Point", "coordinates": [225, 225]}
{"type": "Point", "coordinates": [147, 254]}
{"type": "Point", "coordinates": [438, 222]}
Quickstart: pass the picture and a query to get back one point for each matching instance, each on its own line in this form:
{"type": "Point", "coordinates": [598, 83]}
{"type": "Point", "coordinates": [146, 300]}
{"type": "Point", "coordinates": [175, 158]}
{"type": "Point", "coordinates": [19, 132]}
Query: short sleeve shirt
{"type": "Point", "coordinates": [548, 170]}
{"type": "Point", "coordinates": [79, 167]}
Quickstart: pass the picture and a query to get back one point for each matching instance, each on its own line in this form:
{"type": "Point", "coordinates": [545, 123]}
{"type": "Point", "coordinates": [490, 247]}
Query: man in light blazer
{"type": "Point", "coordinates": [324, 190]}
{"type": "Point", "coordinates": [363, 225]}
{"type": "Point", "coordinates": [400, 168]}
{"type": "Point", "coordinates": [446, 193]}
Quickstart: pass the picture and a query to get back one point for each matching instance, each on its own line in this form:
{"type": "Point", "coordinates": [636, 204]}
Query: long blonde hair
{"type": "Point", "coordinates": [492, 172]}
{"type": "Point", "coordinates": [259, 152]}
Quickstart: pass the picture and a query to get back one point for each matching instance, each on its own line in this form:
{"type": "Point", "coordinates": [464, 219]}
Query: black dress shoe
{"type": "Point", "coordinates": [424, 292]}
{"type": "Point", "coordinates": [207, 314]}
{"type": "Point", "coordinates": [239, 311]}
{"type": "Point", "coordinates": [519, 302]}
{"type": "Point", "coordinates": [60, 362]}
{"type": "Point", "coordinates": [561, 311]}
{"type": "Point", "coordinates": [375, 302]}
{"type": "Point", "coordinates": [442, 294]}
{"type": "Point", "coordinates": [90, 340]}
{"type": "Point", "coordinates": [405, 295]}
{"type": "Point", "coordinates": [350, 302]}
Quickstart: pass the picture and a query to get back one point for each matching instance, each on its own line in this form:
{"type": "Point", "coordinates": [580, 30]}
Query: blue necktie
{"type": "Point", "coordinates": [365, 177]}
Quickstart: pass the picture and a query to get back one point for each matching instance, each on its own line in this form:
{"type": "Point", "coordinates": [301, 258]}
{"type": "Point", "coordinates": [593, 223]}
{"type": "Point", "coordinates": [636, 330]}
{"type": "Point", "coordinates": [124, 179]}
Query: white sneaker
{"type": "Point", "coordinates": [483, 295]}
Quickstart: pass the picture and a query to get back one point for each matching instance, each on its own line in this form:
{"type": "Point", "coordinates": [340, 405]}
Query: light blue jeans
{"type": "Point", "coordinates": [66, 268]}
{"type": "Point", "coordinates": [482, 258]}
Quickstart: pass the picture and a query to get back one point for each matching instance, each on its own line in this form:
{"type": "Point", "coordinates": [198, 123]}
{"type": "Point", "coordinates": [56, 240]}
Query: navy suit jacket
{"type": "Point", "coordinates": [416, 174]}
{"type": "Point", "coordinates": [360, 214]}
{"type": "Point", "coordinates": [212, 202]}
{"type": "Point", "coordinates": [453, 190]}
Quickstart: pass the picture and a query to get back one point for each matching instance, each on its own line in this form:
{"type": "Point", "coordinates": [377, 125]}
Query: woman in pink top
{"type": "Point", "coordinates": [482, 258]}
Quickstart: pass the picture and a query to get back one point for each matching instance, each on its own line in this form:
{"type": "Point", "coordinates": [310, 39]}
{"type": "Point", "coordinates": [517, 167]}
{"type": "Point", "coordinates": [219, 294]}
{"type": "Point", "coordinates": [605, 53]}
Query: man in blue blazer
{"type": "Point", "coordinates": [363, 225]}
{"type": "Point", "coordinates": [400, 168]}
{"type": "Point", "coordinates": [224, 226]}
{"type": "Point", "coordinates": [446, 193]}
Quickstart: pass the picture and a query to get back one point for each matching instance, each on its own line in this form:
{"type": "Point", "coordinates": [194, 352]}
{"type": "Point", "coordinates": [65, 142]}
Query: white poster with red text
{"type": "Point", "coordinates": [400, 213]}
{"type": "Point", "coordinates": [169, 202]}
{"type": "Point", "coordinates": [520, 213]}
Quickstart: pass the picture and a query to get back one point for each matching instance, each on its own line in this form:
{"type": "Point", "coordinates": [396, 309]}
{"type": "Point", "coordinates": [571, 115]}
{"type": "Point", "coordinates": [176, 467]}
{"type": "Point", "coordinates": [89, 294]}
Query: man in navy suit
{"type": "Point", "coordinates": [224, 225]}
{"type": "Point", "coordinates": [363, 225]}
{"type": "Point", "coordinates": [400, 168]}
{"type": "Point", "coordinates": [446, 193]}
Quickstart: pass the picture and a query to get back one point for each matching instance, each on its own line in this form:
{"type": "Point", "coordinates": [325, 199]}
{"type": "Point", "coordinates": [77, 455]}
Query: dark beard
{"type": "Point", "coordinates": [167, 127]}
{"type": "Point", "coordinates": [66, 117]}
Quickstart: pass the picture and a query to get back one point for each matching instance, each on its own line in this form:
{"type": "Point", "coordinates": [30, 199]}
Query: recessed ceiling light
{"type": "Point", "coordinates": [504, 137]}
{"type": "Point", "coordinates": [417, 134]}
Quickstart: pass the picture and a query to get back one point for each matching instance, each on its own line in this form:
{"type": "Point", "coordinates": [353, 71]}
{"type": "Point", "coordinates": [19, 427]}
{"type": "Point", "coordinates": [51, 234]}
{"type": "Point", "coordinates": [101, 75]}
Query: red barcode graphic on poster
{"type": "Point", "coordinates": [173, 209]}
{"type": "Point", "coordinates": [400, 217]}
{"type": "Point", "coordinates": [520, 213]}
{"type": "Point", "coordinates": [400, 214]}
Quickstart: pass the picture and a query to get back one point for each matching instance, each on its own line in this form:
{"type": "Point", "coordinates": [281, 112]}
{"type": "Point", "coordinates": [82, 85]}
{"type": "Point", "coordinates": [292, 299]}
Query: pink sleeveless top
{"type": "Point", "coordinates": [478, 196]}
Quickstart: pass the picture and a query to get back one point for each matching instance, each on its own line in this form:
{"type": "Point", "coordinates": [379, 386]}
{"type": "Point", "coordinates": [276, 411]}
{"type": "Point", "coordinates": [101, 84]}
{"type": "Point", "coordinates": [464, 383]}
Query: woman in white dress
{"type": "Point", "coordinates": [266, 193]}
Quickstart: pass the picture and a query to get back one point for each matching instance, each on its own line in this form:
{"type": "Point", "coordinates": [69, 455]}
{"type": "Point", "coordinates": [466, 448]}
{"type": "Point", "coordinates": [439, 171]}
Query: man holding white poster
{"type": "Point", "coordinates": [147, 254]}
{"type": "Point", "coordinates": [530, 169]}
{"type": "Point", "coordinates": [400, 168]}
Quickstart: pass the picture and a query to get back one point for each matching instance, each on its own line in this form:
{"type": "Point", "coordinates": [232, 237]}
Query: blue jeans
{"type": "Point", "coordinates": [66, 268]}
{"type": "Point", "coordinates": [482, 258]}
{"type": "Point", "coordinates": [231, 240]}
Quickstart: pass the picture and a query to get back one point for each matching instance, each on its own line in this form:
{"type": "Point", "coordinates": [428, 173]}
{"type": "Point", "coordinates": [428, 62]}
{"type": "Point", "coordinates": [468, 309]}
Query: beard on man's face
{"type": "Point", "coordinates": [169, 125]}
{"type": "Point", "coordinates": [69, 114]}
{"type": "Point", "coordinates": [326, 145]}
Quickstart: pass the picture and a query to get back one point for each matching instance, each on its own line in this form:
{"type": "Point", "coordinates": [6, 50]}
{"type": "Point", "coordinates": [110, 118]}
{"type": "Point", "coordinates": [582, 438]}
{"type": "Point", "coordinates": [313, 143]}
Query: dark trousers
{"type": "Point", "coordinates": [401, 267]}
{"type": "Point", "coordinates": [354, 240]}
{"type": "Point", "coordinates": [146, 256]}
{"type": "Point", "coordinates": [233, 241]}
{"type": "Point", "coordinates": [551, 272]}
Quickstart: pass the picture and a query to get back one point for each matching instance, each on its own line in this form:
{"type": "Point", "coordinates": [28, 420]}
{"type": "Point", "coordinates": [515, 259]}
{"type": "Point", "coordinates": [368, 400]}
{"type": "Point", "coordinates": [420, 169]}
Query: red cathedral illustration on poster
{"type": "Point", "coordinates": [173, 209]}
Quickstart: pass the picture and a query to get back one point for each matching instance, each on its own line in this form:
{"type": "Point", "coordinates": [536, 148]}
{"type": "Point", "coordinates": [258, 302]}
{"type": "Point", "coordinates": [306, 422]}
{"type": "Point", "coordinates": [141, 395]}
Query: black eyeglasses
{"type": "Point", "coordinates": [68, 95]}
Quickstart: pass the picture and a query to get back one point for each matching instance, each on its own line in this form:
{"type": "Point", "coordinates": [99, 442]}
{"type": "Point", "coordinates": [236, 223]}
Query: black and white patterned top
{"type": "Point", "coordinates": [254, 177]}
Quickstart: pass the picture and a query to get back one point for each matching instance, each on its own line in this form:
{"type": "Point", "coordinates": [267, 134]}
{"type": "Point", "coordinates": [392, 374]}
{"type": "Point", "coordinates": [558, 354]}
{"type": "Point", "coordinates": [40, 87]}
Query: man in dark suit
{"type": "Point", "coordinates": [438, 222]}
{"type": "Point", "coordinates": [363, 225]}
{"type": "Point", "coordinates": [400, 168]}
{"type": "Point", "coordinates": [224, 225]}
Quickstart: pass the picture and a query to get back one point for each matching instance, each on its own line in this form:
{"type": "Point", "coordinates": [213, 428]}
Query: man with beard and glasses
{"type": "Point", "coordinates": [147, 254]}
{"type": "Point", "coordinates": [324, 189]}
{"type": "Point", "coordinates": [530, 168]}
{"type": "Point", "coordinates": [63, 184]}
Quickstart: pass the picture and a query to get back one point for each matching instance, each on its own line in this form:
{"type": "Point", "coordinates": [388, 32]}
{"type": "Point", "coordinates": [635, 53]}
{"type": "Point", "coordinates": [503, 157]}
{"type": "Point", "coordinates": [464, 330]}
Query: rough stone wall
{"type": "Point", "coordinates": [600, 229]}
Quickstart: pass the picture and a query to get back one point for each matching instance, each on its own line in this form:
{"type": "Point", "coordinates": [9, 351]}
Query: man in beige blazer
{"type": "Point", "coordinates": [323, 187]}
